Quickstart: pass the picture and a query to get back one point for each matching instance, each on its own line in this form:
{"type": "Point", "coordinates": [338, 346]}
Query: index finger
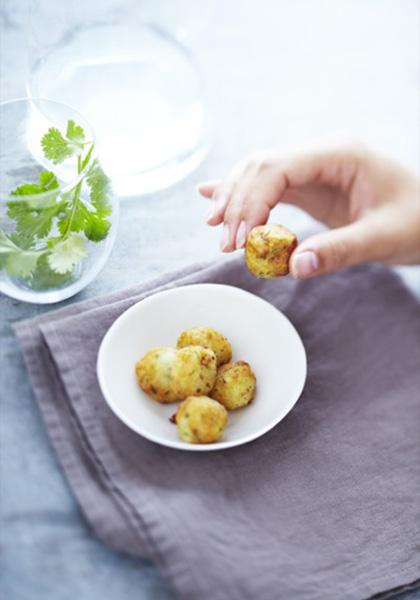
{"type": "Point", "coordinates": [208, 188]}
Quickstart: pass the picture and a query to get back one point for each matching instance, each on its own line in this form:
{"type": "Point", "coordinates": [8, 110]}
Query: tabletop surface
{"type": "Point", "coordinates": [277, 74]}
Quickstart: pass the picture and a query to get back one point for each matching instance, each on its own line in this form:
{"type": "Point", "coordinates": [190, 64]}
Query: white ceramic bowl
{"type": "Point", "coordinates": [258, 332]}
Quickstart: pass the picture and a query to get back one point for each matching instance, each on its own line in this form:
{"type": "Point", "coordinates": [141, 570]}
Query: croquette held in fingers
{"type": "Point", "coordinates": [268, 250]}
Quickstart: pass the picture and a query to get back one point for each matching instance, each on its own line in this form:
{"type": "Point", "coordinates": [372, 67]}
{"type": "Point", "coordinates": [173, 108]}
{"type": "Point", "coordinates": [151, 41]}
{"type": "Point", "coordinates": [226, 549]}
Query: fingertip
{"type": "Point", "coordinates": [205, 192]}
{"type": "Point", "coordinates": [235, 235]}
{"type": "Point", "coordinates": [214, 220]}
{"type": "Point", "coordinates": [206, 188]}
{"type": "Point", "coordinates": [225, 241]}
{"type": "Point", "coordinates": [227, 249]}
{"type": "Point", "coordinates": [228, 241]}
{"type": "Point", "coordinates": [303, 264]}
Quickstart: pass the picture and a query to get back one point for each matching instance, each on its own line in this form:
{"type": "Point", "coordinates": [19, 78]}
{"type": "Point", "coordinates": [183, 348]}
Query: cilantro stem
{"type": "Point", "coordinates": [75, 204]}
{"type": "Point", "coordinates": [87, 157]}
{"type": "Point", "coordinates": [76, 196]}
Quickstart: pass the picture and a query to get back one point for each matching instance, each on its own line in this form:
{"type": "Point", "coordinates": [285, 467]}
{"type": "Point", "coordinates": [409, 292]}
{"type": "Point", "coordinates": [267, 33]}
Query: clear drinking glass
{"type": "Point", "coordinates": [58, 215]}
{"type": "Point", "coordinates": [139, 87]}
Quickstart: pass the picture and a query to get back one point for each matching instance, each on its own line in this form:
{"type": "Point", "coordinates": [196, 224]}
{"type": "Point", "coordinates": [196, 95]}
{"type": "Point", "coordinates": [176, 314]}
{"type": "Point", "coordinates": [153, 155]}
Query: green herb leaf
{"type": "Point", "coordinates": [6, 247]}
{"type": "Point", "coordinates": [75, 133]}
{"type": "Point", "coordinates": [100, 189]}
{"type": "Point", "coordinates": [32, 223]}
{"type": "Point", "coordinates": [27, 189]}
{"type": "Point", "coordinates": [22, 263]}
{"type": "Point", "coordinates": [6, 244]}
{"type": "Point", "coordinates": [56, 148]}
{"type": "Point", "coordinates": [82, 218]}
{"type": "Point", "coordinates": [97, 223]}
{"type": "Point", "coordinates": [16, 261]}
{"type": "Point", "coordinates": [47, 182]}
{"type": "Point", "coordinates": [33, 215]}
{"type": "Point", "coordinates": [66, 254]}
{"type": "Point", "coordinates": [44, 277]}
{"type": "Point", "coordinates": [73, 219]}
{"type": "Point", "coordinates": [96, 228]}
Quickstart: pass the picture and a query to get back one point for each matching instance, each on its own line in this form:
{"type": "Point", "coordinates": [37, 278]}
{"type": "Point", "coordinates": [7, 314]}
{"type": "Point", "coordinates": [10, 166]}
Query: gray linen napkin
{"type": "Point", "coordinates": [323, 507]}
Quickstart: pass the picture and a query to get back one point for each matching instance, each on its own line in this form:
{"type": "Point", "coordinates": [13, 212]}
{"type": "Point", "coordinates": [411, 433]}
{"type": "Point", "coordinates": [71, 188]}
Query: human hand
{"type": "Point", "coordinates": [371, 204]}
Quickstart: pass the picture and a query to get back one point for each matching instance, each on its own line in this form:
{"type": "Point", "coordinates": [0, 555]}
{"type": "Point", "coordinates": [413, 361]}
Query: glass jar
{"type": "Point", "coordinates": [138, 86]}
{"type": "Point", "coordinates": [58, 215]}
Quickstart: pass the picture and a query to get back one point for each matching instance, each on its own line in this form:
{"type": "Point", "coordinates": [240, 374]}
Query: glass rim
{"type": "Point", "coordinates": [31, 100]}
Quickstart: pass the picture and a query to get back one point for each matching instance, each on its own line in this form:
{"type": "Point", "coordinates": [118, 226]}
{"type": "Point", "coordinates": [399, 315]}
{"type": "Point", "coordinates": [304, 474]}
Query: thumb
{"type": "Point", "coordinates": [335, 249]}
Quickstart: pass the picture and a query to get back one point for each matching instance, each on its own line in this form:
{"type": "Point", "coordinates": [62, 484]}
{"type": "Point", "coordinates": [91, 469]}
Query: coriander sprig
{"type": "Point", "coordinates": [52, 228]}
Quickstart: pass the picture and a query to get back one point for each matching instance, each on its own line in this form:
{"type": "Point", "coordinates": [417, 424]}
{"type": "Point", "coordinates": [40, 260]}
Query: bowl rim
{"type": "Point", "coordinates": [179, 444]}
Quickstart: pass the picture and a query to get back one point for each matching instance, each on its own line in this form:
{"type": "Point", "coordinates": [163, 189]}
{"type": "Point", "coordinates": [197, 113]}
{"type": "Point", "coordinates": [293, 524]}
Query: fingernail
{"type": "Point", "coordinates": [225, 237]}
{"type": "Point", "coordinates": [241, 235]}
{"type": "Point", "coordinates": [304, 264]}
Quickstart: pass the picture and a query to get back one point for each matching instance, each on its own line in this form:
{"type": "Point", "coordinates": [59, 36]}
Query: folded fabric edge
{"type": "Point", "coordinates": [390, 586]}
{"type": "Point", "coordinates": [396, 591]}
{"type": "Point", "coordinates": [68, 445]}
{"type": "Point", "coordinates": [134, 520]}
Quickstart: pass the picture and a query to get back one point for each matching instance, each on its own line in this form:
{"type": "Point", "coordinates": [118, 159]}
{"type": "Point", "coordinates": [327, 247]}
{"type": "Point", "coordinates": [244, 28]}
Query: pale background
{"type": "Point", "coordinates": [278, 73]}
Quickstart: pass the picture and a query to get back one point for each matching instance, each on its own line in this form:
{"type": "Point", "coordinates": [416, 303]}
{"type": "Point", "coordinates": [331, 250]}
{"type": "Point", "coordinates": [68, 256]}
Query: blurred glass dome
{"type": "Point", "coordinates": [138, 86]}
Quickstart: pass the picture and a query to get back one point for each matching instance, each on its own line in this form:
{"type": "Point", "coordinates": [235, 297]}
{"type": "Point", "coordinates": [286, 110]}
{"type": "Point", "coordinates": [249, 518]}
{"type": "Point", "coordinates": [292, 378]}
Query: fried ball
{"type": "Point", "coordinates": [268, 249]}
{"type": "Point", "coordinates": [207, 338]}
{"type": "Point", "coordinates": [194, 371]}
{"type": "Point", "coordinates": [200, 420]}
{"type": "Point", "coordinates": [154, 374]}
{"type": "Point", "coordinates": [235, 385]}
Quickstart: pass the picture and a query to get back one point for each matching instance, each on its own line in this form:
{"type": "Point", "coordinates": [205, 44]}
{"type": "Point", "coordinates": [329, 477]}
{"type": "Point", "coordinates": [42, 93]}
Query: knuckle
{"type": "Point", "coordinates": [257, 212]}
{"type": "Point", "coordinates": [223, 191]}
{"type": "Point", "coordinates": [257, 162]}
{"type": "Point", "coordinates": [246, 205]}
{"type": "Point", "coordinates": [261, 164]}
{"type": "Point", "coordinates": [233, 212]}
